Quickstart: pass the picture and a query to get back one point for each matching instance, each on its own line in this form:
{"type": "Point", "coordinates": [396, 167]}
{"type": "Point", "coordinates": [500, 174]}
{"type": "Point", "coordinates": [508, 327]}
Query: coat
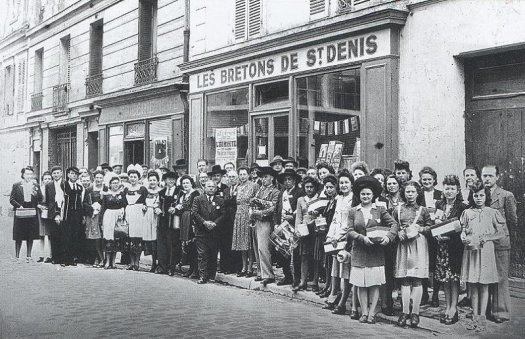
{"type": "Point", "coordinates": [505, 203]}
{"type": "Point", "coordinates": [16, 199]}
{"type": "Point", "coordinates": [165, 202]}
{"type": "Point", "coordinates": [50, 202]}
{"type": "Point", "coordinates": [294, 195]}
{"type": "Point", "coordinates": [203, 210]}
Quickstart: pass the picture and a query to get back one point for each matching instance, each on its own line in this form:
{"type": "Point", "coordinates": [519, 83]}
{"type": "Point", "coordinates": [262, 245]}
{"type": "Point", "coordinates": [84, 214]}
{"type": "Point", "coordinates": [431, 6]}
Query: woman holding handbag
{"type": "Point", "coordinates": [111, 211]}
{"type": "Point", "coordinates": [25, 197]}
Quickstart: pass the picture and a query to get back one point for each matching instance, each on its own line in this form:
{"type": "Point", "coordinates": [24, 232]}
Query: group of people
{"type": "Point", "coordinates": [225, 219]}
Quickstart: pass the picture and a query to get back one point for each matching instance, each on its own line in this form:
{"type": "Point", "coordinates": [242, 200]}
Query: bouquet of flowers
{"type": "Point", "coordinates": [257, 204]}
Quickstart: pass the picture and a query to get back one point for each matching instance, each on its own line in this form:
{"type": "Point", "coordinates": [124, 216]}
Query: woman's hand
{"type": "Point", "coordinates": [288, 217]}
{"type": "Point", "coordinates": [334, 243]}
{"type": "Point", "coordinates": [171, 210]}
{"type": "Point", "coordinates": [158, 211]}
{"type": "Point", "coordinates": [314, 214]}
{"type": "Point", "coordinates": [178, 207]}
{"type": "Point", "coordinates": [402, 235]}
{"type": "Point", "coordinates": [144, 208]}
{"type": "Point", "coordinates": [366, 240]}
{"type": "Point", "coordinates": [385, 241]}
{"type": "Point", "coordinates": [442, 238]}
{"type": "Point", "coordinates": [41, 207]}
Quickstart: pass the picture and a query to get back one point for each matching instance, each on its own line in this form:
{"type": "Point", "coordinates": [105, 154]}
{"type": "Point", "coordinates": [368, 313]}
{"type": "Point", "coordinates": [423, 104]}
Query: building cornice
{"type": "Point", "coordinates": [298, 37]}
{"type": "Point", "coordinates": [415, 4]}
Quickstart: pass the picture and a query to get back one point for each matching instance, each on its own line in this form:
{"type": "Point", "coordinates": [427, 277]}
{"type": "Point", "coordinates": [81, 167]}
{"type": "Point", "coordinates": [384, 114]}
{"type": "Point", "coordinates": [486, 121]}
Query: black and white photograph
{"type": "Point", "coordinates": [262, 168]}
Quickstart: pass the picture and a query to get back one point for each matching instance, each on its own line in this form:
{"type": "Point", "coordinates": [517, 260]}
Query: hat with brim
{"type": "Point", "coordinates": [180, 163]}
{"type": "Point", "coordinates": [170, 175]}
{"type": "Point", "coordinates": [105, 166]}
{"type": "Point", "coordinates": [216, 169]}
{"type": "Point", "coordinates": [117, 165]}
{"type": "Point", "coordinates": [72, 169]}
{"type": "Point", "coordinates": [255, 166]}
{"type": "Point", "coordinates": [367, 182]}
{"type": "Point", "coordinates": [267, 170]}
{"type": "Point", "coordinates": [290, 160]}
{"type": "Point", "coordinates": [164, 168]}
{"type": "Point", "coordinates": [302, 169]}
{"type": "Point", "coordinates": [276, 159]}
{"type": "Point", "coordinates": [288, 173]}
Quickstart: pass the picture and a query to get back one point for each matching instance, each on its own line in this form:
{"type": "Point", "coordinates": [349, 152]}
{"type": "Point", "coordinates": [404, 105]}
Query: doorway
{"type": "Point", "coordinates": [133, 152]}
{"type": "Point", "coordinates": [270, 137]}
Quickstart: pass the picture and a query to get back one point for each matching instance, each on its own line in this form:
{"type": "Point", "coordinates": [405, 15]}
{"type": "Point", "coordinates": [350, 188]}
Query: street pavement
{"type": "Point", "coordinates": [48, 301]}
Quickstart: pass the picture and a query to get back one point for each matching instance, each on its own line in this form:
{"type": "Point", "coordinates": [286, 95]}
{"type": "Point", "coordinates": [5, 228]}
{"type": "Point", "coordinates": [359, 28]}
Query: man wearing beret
{"type": "Point", "coordinates": [71, 225]}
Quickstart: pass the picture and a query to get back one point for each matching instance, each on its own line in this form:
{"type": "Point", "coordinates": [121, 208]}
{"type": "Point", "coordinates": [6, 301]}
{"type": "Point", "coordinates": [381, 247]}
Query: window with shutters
{"type": "Point", "coordinates": [61, 91]}
{"type": "Point", "coordinates": [146, 67]}
{"type": "Point", "coordinates": [9, 89]}
{"type": "Point", "coordinates": [36, 97]}
{"type": "Point", "coordinates": [317, 7]}
{"type": "Point", "coordinates": [21, 85]}
{"type": "Point", "coordinates": [94, 80]}
{"type": "Point", "coordinates": [248, 21]}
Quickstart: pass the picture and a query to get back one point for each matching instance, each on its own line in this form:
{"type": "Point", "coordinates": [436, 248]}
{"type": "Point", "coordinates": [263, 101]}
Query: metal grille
{"type": "Point", "coordinates": [94, 85]}
{"type": "Point", "coordinates": [60, 97]}
{"type": "Point", "coordinates": [36, 101]}
{"type": "Point", "coordinates": [146, 71]}
{"type": "Point", "coordinates": [66, 148]}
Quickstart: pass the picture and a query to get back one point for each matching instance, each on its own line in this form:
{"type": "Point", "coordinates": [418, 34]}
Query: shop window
{"type": "Point", "coordinates": [160, 143]}
{"type": "Point", "coordinates": [116, 145]}
{"type": "Point", "coordinates": [276, 92]}
{"type": "Point", "coordinates": [329, 124]}
{"type": "Point", "coordinates": [227, 127]}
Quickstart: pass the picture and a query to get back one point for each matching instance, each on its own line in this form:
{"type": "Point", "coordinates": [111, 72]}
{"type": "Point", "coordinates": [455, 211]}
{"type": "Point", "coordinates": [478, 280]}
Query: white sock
{"type": "Point", "coordinates": [405, 298]}
{"type": "Point", "coordinates": [417, 294]}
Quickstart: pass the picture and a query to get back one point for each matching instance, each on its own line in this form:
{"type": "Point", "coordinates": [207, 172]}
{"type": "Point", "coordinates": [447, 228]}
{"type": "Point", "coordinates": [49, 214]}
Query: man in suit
{"type": "Point", "coordinates": [208, 214]}
{"type": "Point", "coordinates": [499, 300]}
{"type": "Point", "coordinates": [285, 211]}
{"type": "Point", "coordinates": [71, 225]}
{"type": "Point", "coordinates": [229, 262]}
{"type": "Point", "coordinates": [54, 200]}
{"type": "Point", "coordinates": [168, 237]}
{"type": "Point", "coordinates": [216, 175]}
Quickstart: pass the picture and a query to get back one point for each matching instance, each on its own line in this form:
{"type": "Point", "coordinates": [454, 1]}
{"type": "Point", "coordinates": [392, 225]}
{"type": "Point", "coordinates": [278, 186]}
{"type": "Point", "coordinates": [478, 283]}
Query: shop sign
{"type": "Point", "coordinates": [225, 145]}
{"type": "Point", "coordinates": [338, 52]}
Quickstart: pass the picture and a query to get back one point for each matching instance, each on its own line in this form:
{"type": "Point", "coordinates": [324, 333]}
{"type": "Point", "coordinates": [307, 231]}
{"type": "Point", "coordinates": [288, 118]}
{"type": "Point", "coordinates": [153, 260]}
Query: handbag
{"type": "Point", "coordinates": [329, 248]}
{"type": "Point", "coordinates": [121, 229]}
{"type": "Point", "coordinates": [25, 212]}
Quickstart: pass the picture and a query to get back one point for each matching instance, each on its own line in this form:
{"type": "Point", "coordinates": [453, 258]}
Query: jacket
{"type": "Point", "coordinates": [16, 199]}
{"type": "Point", "coordinates": [505, 203]}
{"type": "Point", "coordinates": [204, 210]}
{"type": "Point", "coordinates": [294, 195]}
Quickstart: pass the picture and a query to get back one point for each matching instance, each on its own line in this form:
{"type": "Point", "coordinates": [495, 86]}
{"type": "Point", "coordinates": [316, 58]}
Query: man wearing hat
{"type": "Point", "coordinates": [285, 211]}
{"type": "Point", "coordinates": [180, 167]}
{"type": "Point", "coordinates": [168, 237]}
{"type": "Point", "coordinates": [302, 172]}
{"type": "Point", "coordinates": [290, 163]}
{"type": "Point", "coordinates": [277, 164]}
{"type": "Point", "coordinates": [71, 225]}
{"type": "Point", "coordinates": [105, 167]}
{"type": "Point", "coordinates": [266, 201]}
{"type": "Point", "coordinates": [54, 200]}
{"type": "Point", "coordinates": [117, 169]}
{"type": "Point", "coordinates": [254, 173]}
{"type": "Point", "coordinates": [216, 175]}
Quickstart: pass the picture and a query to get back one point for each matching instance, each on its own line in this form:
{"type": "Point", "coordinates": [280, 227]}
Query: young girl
{"type": "Point", "coordinates": [481, 225]}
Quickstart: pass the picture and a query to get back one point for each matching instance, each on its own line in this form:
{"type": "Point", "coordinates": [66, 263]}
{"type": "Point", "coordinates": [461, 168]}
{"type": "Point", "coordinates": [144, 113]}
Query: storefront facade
{"type": "Point", "coordinates": [331, 99]}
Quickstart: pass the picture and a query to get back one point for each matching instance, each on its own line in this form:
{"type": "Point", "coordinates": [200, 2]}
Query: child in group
{"type": "Point", "coordinates": [481, 226]}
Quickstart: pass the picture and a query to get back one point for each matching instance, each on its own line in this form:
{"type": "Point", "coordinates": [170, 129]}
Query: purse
{"type": "Point", "coordinates": [25, 212]}
{"type": "Point", "coordinates": [330, 249]}
{"type": "Point", "coordinates": [121, 229]}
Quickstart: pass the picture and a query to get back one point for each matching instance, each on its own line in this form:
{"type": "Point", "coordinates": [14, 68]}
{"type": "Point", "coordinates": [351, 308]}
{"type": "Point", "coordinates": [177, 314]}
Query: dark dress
{"type": "Point", "coordinates": [92, 221]}
{"type": "Point", "coordinates": [450, 252]}
{"type": "Point", "coordinates": [25, 228]}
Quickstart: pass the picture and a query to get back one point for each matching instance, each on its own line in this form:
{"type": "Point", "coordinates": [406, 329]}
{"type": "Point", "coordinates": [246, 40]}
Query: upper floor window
{"type": "Point", "coordinates": [9, 90]}
{"type": "Point", "coordinates": [247, 18]}
{"type": "Point", "coordinates": [21, 85]}
{"type": "Point", "coordinates": [147, 29]}
{"type": "Point", "coordinates": [317, 8]}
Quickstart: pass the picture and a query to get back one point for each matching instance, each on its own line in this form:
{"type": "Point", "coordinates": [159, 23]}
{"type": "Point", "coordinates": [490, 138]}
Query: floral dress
{"type": "Point", "coordinates": [241, 240]}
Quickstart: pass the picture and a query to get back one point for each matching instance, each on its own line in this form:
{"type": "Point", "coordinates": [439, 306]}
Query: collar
{"type": "Point", "coordinates": [373, 206]}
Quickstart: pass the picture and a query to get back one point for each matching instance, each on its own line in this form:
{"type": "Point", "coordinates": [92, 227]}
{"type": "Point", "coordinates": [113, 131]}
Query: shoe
{"type": "Point", "coordinates": [434, 303]}
{"type": "Point", "coordinates": [354, 315]}
{"type": "Point", "coordinates": [219, 271]}
{"type": "Point", "coordinates": [194, 276]}
{"type": "Point", "coordinates": [371, 319]}
{"type": "Point", "coordinates": [499, 320]}
{"type": "Point", "coordinates": [249, 274]}
{"type": "Point", "coordinates": [73, 264]}
{"type": "Point", "coordinates": [135, 267]}
{"type": "Point", "coordinates": [284, 281]}
{"type": "Point", "coordinates": [300, 287]}
{"type": "Point", "coordinates": [107, 267]}
{"type": "Point", "coordinates": [48, 260]}
{"type": "Point", "coordinates": [41, 259]}
{"type": "Point", "coordinates": [267, 281]}
{"type": "Point", "coordinates": [259, 278]}
{"type": "Point", "coordinates": [325, 294]}
{"type": "Point", "coordinates": [187, 274]}
{"type": "Point", "coordinates": [402, 321]}
{"type": "Point", "coordinates": [363, 319]}
{"type": "Point", "coordinates": [425, 299]}
{"type": "Point", "coordinates": [453, 320]}
{"type": "Point", "coordinates": [414, 320]}
{"type": "Point", "coordinates": [130, 268]}
{"type": "Point", "coordinates": [328, 306]}
{"type": "Point", "coordinates": [202, 281]}
{"type": "Point", "coordinates": [387, 311]}
{"type": "Point", "coordinates": [442, 318]}
{"type": "Point", "coordinates": [171, 272]}
{"type": "Point", "coordinates": [465, 302]}
{"type": "Point", "coordinates": [241, 274]}
{"type": "Point", "coordinates": [153, 269]}
{"type": "Point", "coordinates": [339, 309]}
{"type": "Point", "coordinates": [315, 288]}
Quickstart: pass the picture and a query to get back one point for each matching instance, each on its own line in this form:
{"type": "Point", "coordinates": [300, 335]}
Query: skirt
{"type": "Point", "coordinates": [25, 229]}
{"type": "Point", "coordinates": [340, 270]}
{"type": "Point", "coordinates": [150, 221]}
{"type": "Point", "coordinates": [479, 266]}
{"type": "Point", "coordinates": [93, 230]}
{"type": "Point", "coordinates": [135, 218]}
{"type": "Point", "coordinates": [412, 259]}
{"type": "Point", "coordinates": [367, 276]}
{"type": "Point", "coordinates": [108, 223]}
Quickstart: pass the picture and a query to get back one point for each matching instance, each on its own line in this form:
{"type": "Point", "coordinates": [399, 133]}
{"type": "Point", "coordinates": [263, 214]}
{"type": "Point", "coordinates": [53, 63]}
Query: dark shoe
{"type": "Point", "coordinates": [171, 273]}
{"type": "Point", "coordinates": [363, 319]}
{"type": "Point", "coordinates": [402, 321]}
{"type": "Point", "coordinates": [354, 315]}
{"type": "Point", "coordinates": [241, 274]}
{"type": "Point", "coordinates": [453, 320]}
{"type": "Point", "coordinates": [388, 311]}
{"type": "Point", "coordinates": [414, 320]}
{"type": "Point", "coordinates": [425, 300]}
{"type": "Point", "coordinates": [153, 269]}
{"type": "Point", "coordinates": [249, 274]}
{"type": "Point", "coordinates": [300, 287]}
{"type": "Point", "coordinates": [136, 268]}
{"type": "Point", "coordinates": [442, 318]}
{"type": "Point", "coordinates": [202, 281]}
{"type": "Point", "coordinates": [130, 268]}
{"type": "Point", "coordinates": [48, 260]}
{"type": "Point", "coordinates": [315, 288]}
{"type": "Point", "coordinates": [328, 306]}
{"type": "Point", "coordinates": [325, 294]}
{"type": "Point", "coordinates": [371, 319]}
{"type": "Point", "coordinates": [284, 281]}
{"type": "Point", "coordinates": [465, 302]}
{"type": "Point", "coordinates": [259, 278]}
{"type": "Point", "coordinates": [339, 309]}
{"type": "Point", "coordinates": [267, 281]}
{"type": "Point", "coordinates": [499, 320]}
{"type": "Point", "coordinates": [434, 303]}
{"type": "Point", "coordinates": [41, 259]}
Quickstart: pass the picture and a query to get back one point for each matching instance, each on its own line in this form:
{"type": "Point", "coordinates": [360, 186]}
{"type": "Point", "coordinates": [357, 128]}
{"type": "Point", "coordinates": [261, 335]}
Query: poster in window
{"type": "Point", "coordinates": [330, 151]}
{"type": "Point", "coordinates": [225, 145]}
{"type": "Point", "coordinates": [160, 152]}
{"type": "Point", "coordinates": [337, 155]}
{"type": "Point", "coordinates": [322, 153]}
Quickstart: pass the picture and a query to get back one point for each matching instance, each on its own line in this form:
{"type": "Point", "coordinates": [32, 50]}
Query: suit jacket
{"type": "Point", "coordinates": [17, 196]}
{"type": "Point", "coordinates": [50, 202]}
{"type": "Point", "coordinates": [165, 202]}
{"type": "Point", "coordinates": [203, 210]}
{"type": "Point", "coordinates": [72, 197]}
{"type": "Point", "coordinates": [505, 203]}
{"type": "Point", "coordinates": [294, 195]}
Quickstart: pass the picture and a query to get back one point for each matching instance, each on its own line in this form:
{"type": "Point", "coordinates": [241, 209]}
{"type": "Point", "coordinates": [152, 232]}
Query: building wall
{"type": "Point", "coordinates": [431, 80]}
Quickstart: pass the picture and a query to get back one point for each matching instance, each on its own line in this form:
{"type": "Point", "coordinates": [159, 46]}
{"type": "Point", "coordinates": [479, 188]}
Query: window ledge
{"type": "Point", "coordinates": [498, 96]}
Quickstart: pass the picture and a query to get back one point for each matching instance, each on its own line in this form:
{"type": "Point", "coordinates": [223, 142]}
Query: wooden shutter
{"type": "Point", "coordinates": [2, 90]}
{"type": "Point", "coordinates": [240, 19]}
{"type": "Point", "coordinates": [145, 30]}
{"type": "Point", "coordinates": [254, 18]}
{"type": "Point", "coordinates": [21, 85]}
{"type": "Point", "coordinates": [95, 53]}
{"type": "Point", "coordinates": [316, 6]}
{"type": "Point", "coordinates": [38, 71]}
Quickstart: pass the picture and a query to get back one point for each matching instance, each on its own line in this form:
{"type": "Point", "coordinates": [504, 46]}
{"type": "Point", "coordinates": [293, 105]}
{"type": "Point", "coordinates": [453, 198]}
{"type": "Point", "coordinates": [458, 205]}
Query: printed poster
{"type": "Point", "coordinates": [225, 145]}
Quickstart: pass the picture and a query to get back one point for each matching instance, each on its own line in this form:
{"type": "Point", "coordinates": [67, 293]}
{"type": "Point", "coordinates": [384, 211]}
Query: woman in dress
{"type": "Point", "coordinates": [368, 257]}
{"type": "Point", "coordinates": [392, 192]}
{"type": "Point", "coordinates": [412, 251]}
{"type": "Point", "coordinates": [135, 201]}
{"type": "Point", "coordinates": [450, 247]}
{"type": "Point", "coordinates": [112, 205]}
{"type": "Point", "coordinates": [481, 225]}
{"type": "Point", "coordinates": [241, 240]}
{"type": "Point", "coordinates": [92, 207]}
{"type": "Point", "coordinates": [45, 224]}
{"type": "Point", "coordinates": [151, 218]}
{"type": "Point", "coordinates": [305, 216]}
{"type": "Point", "coordinates": [337, 232]}
{"type": "Point", "coordinates": [25, 194]}
{"type": "Point", "coordinates": [183, 208]}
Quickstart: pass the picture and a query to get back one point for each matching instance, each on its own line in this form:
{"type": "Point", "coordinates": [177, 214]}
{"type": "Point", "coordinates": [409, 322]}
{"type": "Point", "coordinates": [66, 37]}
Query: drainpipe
{"type": "Point", "coordinates": [185, 77]}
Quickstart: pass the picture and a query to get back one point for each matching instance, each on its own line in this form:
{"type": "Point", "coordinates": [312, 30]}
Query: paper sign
{"type": "Point", "coordinates": [225, 145]}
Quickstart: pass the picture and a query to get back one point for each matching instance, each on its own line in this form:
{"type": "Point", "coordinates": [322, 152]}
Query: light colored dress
{"type": "Point", "coordinates": [151, 219]}
{"type": "Point", "coordinates": [338, 230]}
{"type": "Point", "coordinates": [479, 265]}
{"type": "Point", "coordinates": [241, 239]}
{"type": "Point", "coordinates": [135, 200]}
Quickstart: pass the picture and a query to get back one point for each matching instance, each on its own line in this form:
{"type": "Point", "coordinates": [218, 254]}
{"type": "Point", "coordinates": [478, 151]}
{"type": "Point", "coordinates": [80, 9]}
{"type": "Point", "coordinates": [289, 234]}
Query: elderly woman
{"type": "Point", "coordinates": [183, 209]}
{"type": "Point", "coordinates": [112, 205]}
{"type": "Point", "coordinates": [412, 251]}
{"type": "Point", "coordinates": [92, 207]}
{"type": "Point", "coordinates": [25, 197]}
{"type": "Point", "coordinates": [368, 257]}
{"type": "Point", "coordinates": [46, 224]}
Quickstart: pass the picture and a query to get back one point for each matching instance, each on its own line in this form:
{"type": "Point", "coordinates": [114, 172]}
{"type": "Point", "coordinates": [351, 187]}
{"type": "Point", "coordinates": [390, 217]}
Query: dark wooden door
{"type": "Point", "coordinates": [67, 148]}
{"type": "Point", "coordinates": [498, 137]}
